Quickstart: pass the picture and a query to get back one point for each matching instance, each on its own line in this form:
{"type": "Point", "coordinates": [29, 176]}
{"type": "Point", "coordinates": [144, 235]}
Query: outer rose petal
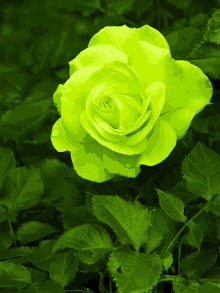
{"type": "Point", "coordinates": [88, 162]}
{"type": "Point", "coordinates": [57, 97]}
{"type": "Point", "coordinates": [96, 56]}
{"type": "Point", "coordinates": [189, 90]}
{"type": "Point", "coordinates": [121, 164]}
{"type": "Point", "coordinates": [58, 137]}
{"type": "Point", "coordinates": [125, 39]}
{"type": "Point", "coordinates": [151, 63]}
{"type": "Point", "coordinates": [73, 103]}
{"type": "Point", "coordinates": [159, 144]}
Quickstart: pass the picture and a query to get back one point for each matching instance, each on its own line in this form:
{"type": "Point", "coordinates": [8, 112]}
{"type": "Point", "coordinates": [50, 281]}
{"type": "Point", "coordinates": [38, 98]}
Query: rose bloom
{"type": "Point", "coordinates": [126, 103]}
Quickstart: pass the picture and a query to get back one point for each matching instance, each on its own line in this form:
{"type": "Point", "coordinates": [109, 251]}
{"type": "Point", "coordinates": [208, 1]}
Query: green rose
{"type": "Point", "coordinates": [126, 103]}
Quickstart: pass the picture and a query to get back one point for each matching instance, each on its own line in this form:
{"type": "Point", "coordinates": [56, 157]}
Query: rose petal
{"type": "Point", "coordinates": [156, 94]}
{"type": "Point", "coordinates": [189, 90]}
{"type": "Point", "coordinates": [115, 73]}
{"type": "Point", "coordinates": [121, 164]}
{"type": "Point", "coordinates": [160, 144]}
{"type": "Point", "coordinates": [87, 161]}
{"type": "Point", "coordinates": [96, 56]}
{"type": "Point", "coordinates": [151, 63]}
{"type": "Point", "coordinates": [115, 146]}
{"type": "Point", "coordinates": [58, 137]}
{"type": "Point", "coordinates": [73, 103]}
{"type": "Point", "coordinates": [125, 39]}
{"type": "Point", "coordinates": [57, 97]}
{"type": "Point", "coordinates": [122, 38]}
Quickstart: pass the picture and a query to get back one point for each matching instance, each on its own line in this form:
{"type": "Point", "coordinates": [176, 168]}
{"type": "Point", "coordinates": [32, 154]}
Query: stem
{"type": "Point", "coordinates": [181, 230]}
{"type": "Point", "coordinates": [169, 278]}
{"type": "Point", "coordinates": [12, 232]}
{"type": "Point", "coordinates": [179, 255]}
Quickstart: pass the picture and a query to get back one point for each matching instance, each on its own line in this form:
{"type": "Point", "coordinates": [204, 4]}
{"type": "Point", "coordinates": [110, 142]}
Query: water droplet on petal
{"type": "Point", "coordinates": [55, 132]}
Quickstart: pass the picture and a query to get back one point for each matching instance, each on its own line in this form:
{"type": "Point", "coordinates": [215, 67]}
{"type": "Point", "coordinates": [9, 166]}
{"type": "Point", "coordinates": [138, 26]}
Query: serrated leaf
{"type": "Point", "coordinates": [206, 56]}
{"type": "Point", "coordinates": [63, 268]}
{"type": "Point", "coordinates": [182, 41]}
{"type": "Point", "coordinates": [186, 286]}
{"type": "Point", "coordinates": [142, 6]}
{"type": "Point", "coordinates": [198, 20]}
{"type": "Point", "coordinates": [153, 239]}
{"type": "Point", "coordinates": [208, 121]}
{"type": "Point", "coordinates": [42, 255]}
{"type": "Point", "coordinates": [212, 276]}
{"type": "Point", "coordinates": [172, 206]}
{"type": "Point", "coordinates": [15, 123]}
{"type": "Point", "coordinates": [164, 224]}
{"type": "Point", "coordinates": [201, 170]}
{"type": "Point", "coordinates": [32, 231]}
{"type": "Point", "coordinates": [24, 188]}
{"type": "Point", "coordinates": [197, 263]}
{"type": "Point", "coordinates": [180, 3]}
{"type": "Point", "coordinates": [212, 30]}
{"type": "Point", "coordinates": [3, 213]}
{"type": "Point", "coordinates": [214, 205]}
{"type": "Point", "coordinates": [130, 221]}
{"type": "Point", "coordinates": [139, 272]}
{"type": "Point", "coordinates": [180, 190]}
{"type": "Point", "coordinates": [91, 241]}
{"type": "Point", "coordinates": [49, 286]}
{"type": "Point", "coordinates": [7, 162]}
{"type": "Point", "coordinates": [22, 251]}
{"type": "Point", "coordinates": [14, 276]}
{"type": "Point", "coordinates": [209, 287]}
{"type": "Point", "coordinates": [194, 236]}
{"type": "Point", "coordinates": [167, 261]}
{"type": "Point", "coordinates": [120, 7]}
{"type": "Point", "coordinates": [71, 5]}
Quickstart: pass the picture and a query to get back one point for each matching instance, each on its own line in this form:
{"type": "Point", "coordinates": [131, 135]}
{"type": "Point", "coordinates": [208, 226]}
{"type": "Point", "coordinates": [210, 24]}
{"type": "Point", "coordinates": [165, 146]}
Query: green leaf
{"type": "Point", "coordinates": [214, 205]}
{"type": "Point", "coordinates": [167, 261]}
{"type": "Point", "coordinates": [180, 3]}
{"type": "Point", "coordinates": [208, 121]}
{"type": "Point", "coordinates": [63, 268]}
{"type": "Point", "coordinates": [182, 42]}
{"type": "Point", "coordinates": [212, 30]}
{"type": "Point", "coordinates": [194, 236]}
{"type": "Point", "coordinates": [32, 231]}
{"type": "Point", "coordinates": [186, 286]}
{"type": "Point", "coordinates": [164, 224]}
{"type": "Point", "coordinates": [91, 241]}
{"type": "Point", "coordinates": [3, 213]}
{"type": "Point", "coordinates": [120, 7]}
{"type": "Point", "coordinates": [14, 276]}
{"type": "Point", "coordinates": [139, 272]}
{"type": "Point", "coordinates": [7, 162]}
{"type": "Point", "coordinates": [130, 221]}
{"type": "Point", "coordinates": [199, 20]}
{"type": "Point", "coordinates": [49, 286]}
{"type": "Point", "coordinates": [74, 5]}
{"type": "Point", "coordinates": [14, 123]}
{"type": "Point", "coordinates": [153, 239]}
{"type": "Point", "coordinates": [206, 56]}
{"type": "Point", "coordinates": [180, 190]}
{"type": "Point", "coordinates": [201, 170]}
{"type": "Point", "coordinates": [172, 206]}
{"type": "Point", "coordinates": [197, 263]}
{"type": "Point", "coordinates": [143, 6]}
{"type": "Point", "coordinates": [42, 255]}
{"type": "Point", "coordinates": [24, 189]}
{"type": "Point", "coordinates": [212, 276]}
